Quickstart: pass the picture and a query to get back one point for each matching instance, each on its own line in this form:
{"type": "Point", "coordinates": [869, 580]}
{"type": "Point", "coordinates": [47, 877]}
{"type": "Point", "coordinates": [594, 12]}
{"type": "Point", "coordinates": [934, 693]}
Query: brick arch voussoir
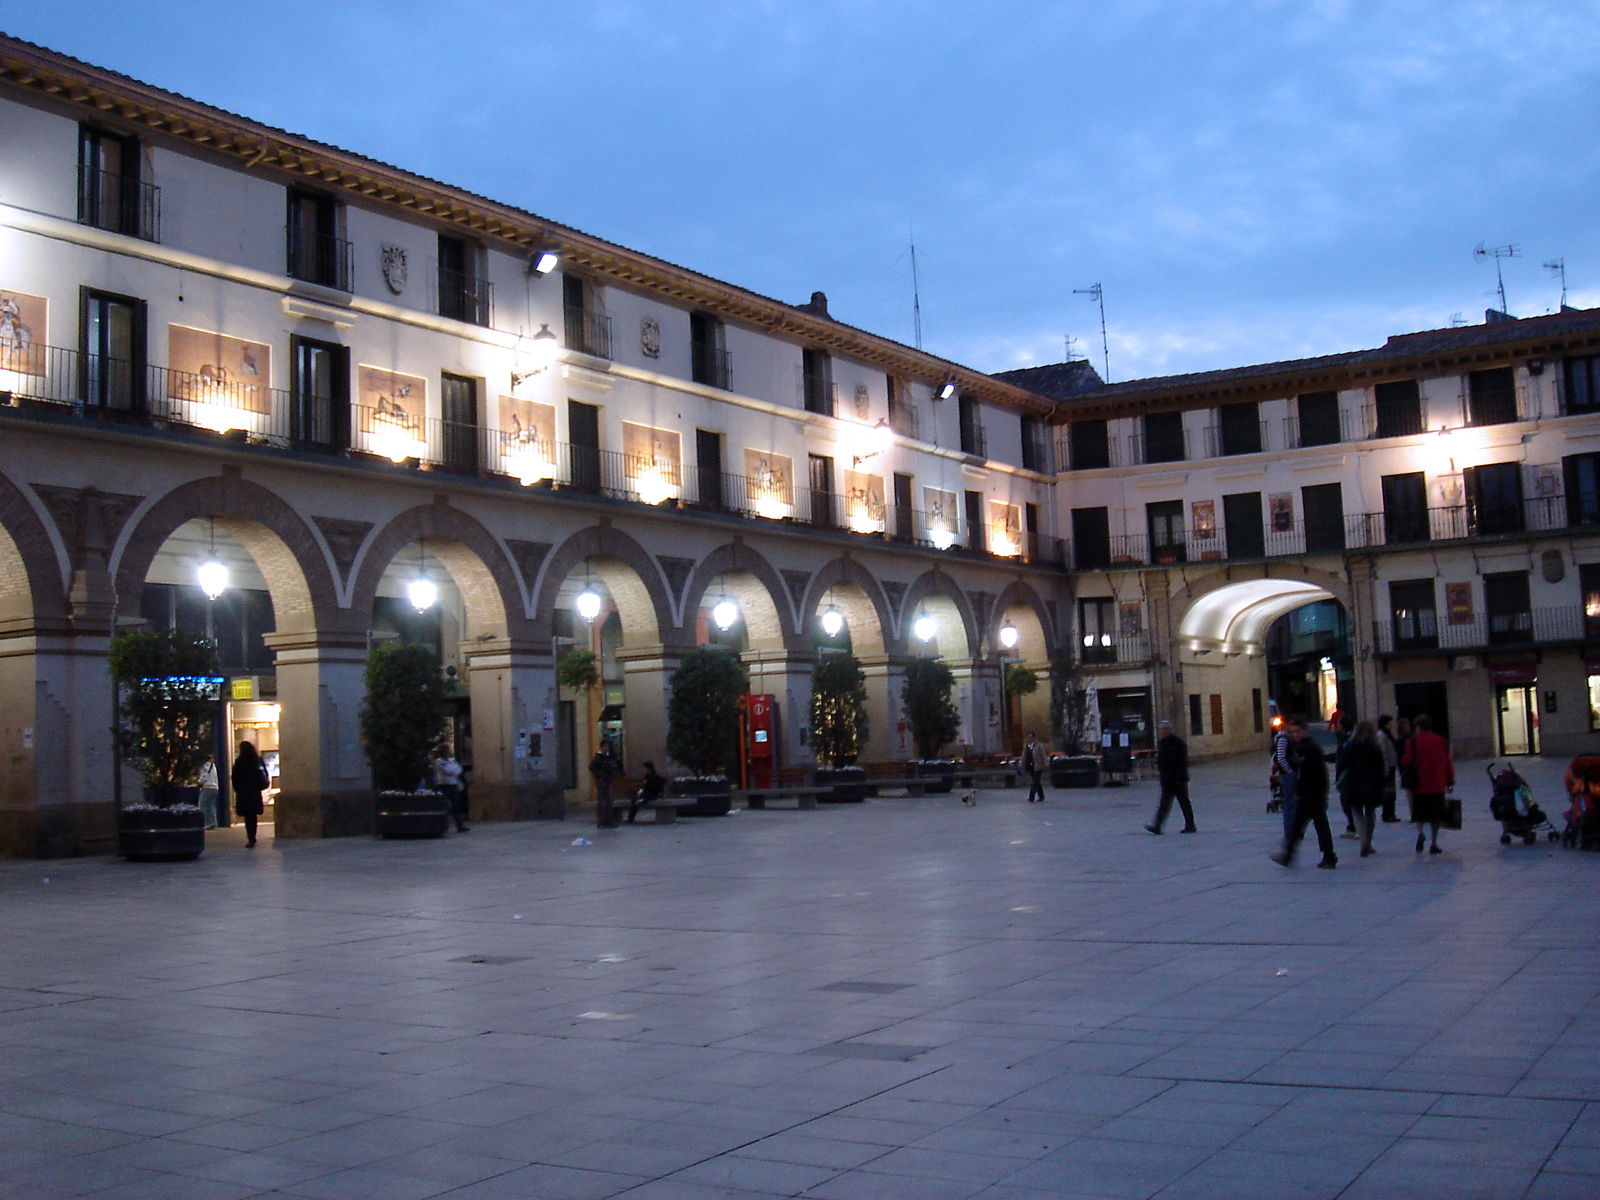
{"type": "Point", "coordinates": [42, 571]}
{"type": "Point", "coordinates": [937, 583]}
{"type": "Point", "coordinates": [735, 557]}
{"type": "Point", "coordinates": [1018, 594]}
{"type": "Point", "coordinates": [605, 541]}
{"type": "Point", "coordinates": [848, 572]}
{"type": "Point", "coordinates": [291, 557]}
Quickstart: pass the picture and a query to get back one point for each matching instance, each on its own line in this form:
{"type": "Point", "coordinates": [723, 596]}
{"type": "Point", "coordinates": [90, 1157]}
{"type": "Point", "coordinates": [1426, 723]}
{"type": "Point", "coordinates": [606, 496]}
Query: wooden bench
{"type": "Point", "coordinates": [986, 777]}
{"type": "Point", "coordinates": [804, 797]}
{"type": "Point", "coordinates": [911, 787]}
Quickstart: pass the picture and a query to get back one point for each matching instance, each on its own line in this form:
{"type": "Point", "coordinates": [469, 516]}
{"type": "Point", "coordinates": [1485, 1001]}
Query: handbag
{"type": "Point", "coordinates": [1452, 813]}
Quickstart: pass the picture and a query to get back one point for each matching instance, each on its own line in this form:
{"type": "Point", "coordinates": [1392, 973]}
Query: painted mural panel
{"type": "Point", "coordinates": [939, 513]}
{"type": "Point", "coordinates": [23, 320]}
{"type": "Point", "coordinates": [652, 460]}
{"type": "Point", "coordinates": [1005, 528]}
{"type": "Point", "coordinates": [218, 372]}
{"type": "Point", "coordinates": [771, 482]}
{"type": "Point", "coordinates": [527, 439]}
{"type": "Point", "coordinates": [392, 409]}
{"type": "Point", "coordinates": [864, 508]}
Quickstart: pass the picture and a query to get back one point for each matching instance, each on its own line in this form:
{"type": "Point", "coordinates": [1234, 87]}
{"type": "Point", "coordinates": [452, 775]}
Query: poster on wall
{"type": "Point", "coordinates": [1005, 523]}
{"type": "Point", "coordinates": [939, 509]}
{"type": "Point", "coordinates": [1458, 603]}
{"type": "Point", "coordinates": [392, 410]}
{"type": "Point", "coordinates": [22, 332]}
{"type": "Point", "coordinates": [1132, 613]}
{"type": "Point", "coordinates": [527, 439]}
{"type": "Point", "coordinates": [1204, 519]}
{"type": "Point", "coordinates": [212, 368]}
{"type": "Point", "coordinates": [1280, 511]}
{"type": "Point", "coordinates": [864, 508]}
{"type": "Point", "coordinates": [771, 482]}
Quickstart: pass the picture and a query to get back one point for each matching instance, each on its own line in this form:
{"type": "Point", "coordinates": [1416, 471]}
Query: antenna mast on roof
{"type": "Point", "coordinates": [916, 294]}
{"type": "Point", "coordinates": [1497, 253]}
{"type": "Point", "coordinates": [1099, 298]}
{"type": "Point", "coordinates": [1559, 266]}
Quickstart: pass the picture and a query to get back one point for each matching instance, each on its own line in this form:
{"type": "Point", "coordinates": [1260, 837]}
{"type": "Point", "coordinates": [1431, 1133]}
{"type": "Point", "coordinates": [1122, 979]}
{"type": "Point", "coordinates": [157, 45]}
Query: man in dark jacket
{"type": "Point", "coordinates": [1172, 765]}
{"type": "Point", "coordinates": [1311, 800]}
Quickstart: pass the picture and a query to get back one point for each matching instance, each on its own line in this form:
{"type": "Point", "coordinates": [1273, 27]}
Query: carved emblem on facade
{"type": "Point", "coordinates": [862, 408]}
{"type": "Point", "coordinates": [650, 337]}
{"type": "Point", "coordinates": [394, 268]}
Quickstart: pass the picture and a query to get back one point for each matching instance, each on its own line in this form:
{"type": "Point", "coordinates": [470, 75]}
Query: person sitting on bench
{"type": "Point", "coordinates": [648, 791]}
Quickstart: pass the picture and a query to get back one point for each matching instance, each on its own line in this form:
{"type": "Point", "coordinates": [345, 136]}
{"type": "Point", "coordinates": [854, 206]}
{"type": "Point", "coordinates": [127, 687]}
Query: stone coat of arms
{"type": "Point", "coordinates": [394, 268]}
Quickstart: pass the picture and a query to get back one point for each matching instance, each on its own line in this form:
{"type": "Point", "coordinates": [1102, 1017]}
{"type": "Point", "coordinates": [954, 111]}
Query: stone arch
{"type": "Point", "coordinates": [859, 596]}
{"type": "Point", "coordinates": [32, 574]}
{"type": "Point", "coordinates": [1038, 637]}
{"type": "Point", "coordinates": [1230, 610]}
{"type": "Point", "coordinates": [478, 564]}
{"type": "Point", "coordinates": [757, 588]}
{"type": "Point", "coordinates": [938, 590]}
{"type": "Point", "coordinates": [632, 575]}
{"type": "Point", "coordinates": [287, 552]}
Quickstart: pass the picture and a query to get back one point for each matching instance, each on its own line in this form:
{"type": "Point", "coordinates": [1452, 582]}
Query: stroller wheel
{"type": "Point", "coordinates": [1505, 839]}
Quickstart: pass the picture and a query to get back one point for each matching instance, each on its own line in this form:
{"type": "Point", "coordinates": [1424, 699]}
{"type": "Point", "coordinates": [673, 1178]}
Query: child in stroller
{"type": "Point", "coordinates": [1511, 803]}
{"type": "Point", "coordinates": [1583, 817]}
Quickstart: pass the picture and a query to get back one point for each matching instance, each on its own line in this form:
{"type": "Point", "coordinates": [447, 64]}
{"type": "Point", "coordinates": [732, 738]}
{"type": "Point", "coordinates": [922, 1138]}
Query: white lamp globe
{"type": "Point", "coordinates": [423, 593]}
{"type": "Point", "coordinates": [832, 621]}
{"type": "Point", "coordinates": [725, 614]}
{"type": "Point", "coordinates": [213, 578]}
{"type": "Point", "coordinates": [588, 603]}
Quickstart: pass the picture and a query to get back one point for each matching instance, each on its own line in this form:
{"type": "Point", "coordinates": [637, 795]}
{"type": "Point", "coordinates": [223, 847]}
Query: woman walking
{"type": "Point", "coordinates": [249, 779]}
{"type": "Point", "coordinates": [1435, 775]}
{"type": "Point", "coordinates": [1364, 774]}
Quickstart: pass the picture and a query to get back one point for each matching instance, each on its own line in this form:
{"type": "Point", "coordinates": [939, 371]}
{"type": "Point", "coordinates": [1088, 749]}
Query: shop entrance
{"type": "Point", "coordinates": [1517, 719]}
{"type": "Point", "coordinates": [254, 721]}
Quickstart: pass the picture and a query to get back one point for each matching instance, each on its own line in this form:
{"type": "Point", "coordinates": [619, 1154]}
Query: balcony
{"type": "Point", "coordinates": [1150, 452]}
{"type": "Point", "coordinates": [710, 365]}
{"type": "Point", "coordinates": [905, 420]}
{"type": "Point", "coordinates": [1227, 440]}
{"type": "Point", "coordinates": [1303, 435]}
{"type": "Point", "coordinates": [974, 439]}
{"type": "Point", "coordinates": [1113, 649]}
{"type": "Point", "coordinates": [464, 297]}
{"type": "Point", "coordinates": [109, 200]}
{"type": "Point", "coordinates": [1484, 632]}
{"type": "Point", "coordinates": [319, 258]}
{"type": "Point", "coordinates": [588, 332]}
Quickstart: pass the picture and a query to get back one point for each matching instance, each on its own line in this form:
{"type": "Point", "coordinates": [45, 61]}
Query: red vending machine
{"type": "Point", "coordinates": [758, 735]}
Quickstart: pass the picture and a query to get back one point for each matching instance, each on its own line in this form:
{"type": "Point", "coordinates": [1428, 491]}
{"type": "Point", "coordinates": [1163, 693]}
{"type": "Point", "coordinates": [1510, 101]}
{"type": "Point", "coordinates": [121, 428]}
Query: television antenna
{"type": "Point", "coordinates": [1559, 266]}
{"type": "Point", "coordinates": [916, 290]}
{"type": "Point", "coordinates": [1068, 342]}
{"type": "Point", "coordinates": [1497, 253]}
{"type": "Point", "coordinates": [1099, 297]}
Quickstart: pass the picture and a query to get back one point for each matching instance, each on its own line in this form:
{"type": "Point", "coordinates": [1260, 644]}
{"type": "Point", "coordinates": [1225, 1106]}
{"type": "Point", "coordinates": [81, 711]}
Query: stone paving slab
{"type": "Point", "coordinates": [906, 998]}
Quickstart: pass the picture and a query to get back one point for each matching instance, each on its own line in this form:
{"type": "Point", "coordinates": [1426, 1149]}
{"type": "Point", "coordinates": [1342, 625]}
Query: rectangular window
{"type": "Point", "coordinates": [973, 440]}
{"type": "Point", "coordinates": [111, 194]}
{"type": "Point", "coordinates": [1032, 549]}
{"type": "Point", "coordinates": [1323, 505]}
{"type": "Point", "coordinates": [708, 466]}
{"type": "Point", "coordinates": [316, 252]}
{"type": "Point", "coordinates": [319, 403]}
{"type": "Point", "coordinates": [1405, 508]}
{"type": "Point", "coordinates": [1216, 714]}
{"type": "Point", "coordinates": [708, 354]}
{"type": "Point", "coordinates": [1239, 427]}
{"type": "Point", "coordinates": [1197, 725]}
{"type": "Point", "coordinates": [817, 375]}
{"type": "Point", "coordinates": [1097, 631]}
{"type": "Point", "coordinates": [1257, 717]}
{"type": "Point", "coordinates": [463, 293]}
{"type": "Point", "coordinates": [976, 533]}
{"type": "Point", "coordinates": [1318, 414]}
{"type": "Point", "coordinates": [1091, 538]}
{"type": "Point", "coordinates": [1582, 472]}
{"type": "Point", "coordinates": [1035, 444]}
{"type": "Point", "coordinates": [905, 528]}
{"type": "Point", "coordinates": [1243, 525]}
{"type": "Point", "coordinates": [1494, 499]}
{"type": "Point", "coordinates": [1505, 600]}
{"type": "Point", "coordinates": [1589, 587]}
{"type": "Point", "coordinates": [583, 436]}
{"type": "Point", "coordinates": [113, 352]}
{"type": "Point", "coordinates": [822, 496]}
{"type": "Point", "coordinates": [1399, 408]}
{"type": "Point", "coordinates": [1491, 397]}
{"type": "Point", "coordinates": [1163, 437]}
{"type": "Point", "coordinates": [1580, 378]}
{"type": "Point", "coordinates": [458, 406]}
{"type": "Point", "coordinates": [1413, 614]}
{"type": "Point", "coordinates": [1088, 445]}
{"type": "Point", "coordinates": [1165, 519]}
{"type": "Point", "coordinates": [588, 329]}
{"type": "Point", "coordinates": [902, 413]}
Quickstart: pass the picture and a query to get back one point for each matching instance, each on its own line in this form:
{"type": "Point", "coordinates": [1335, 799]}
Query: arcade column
{"type": "Point", "coordinates": [325, 786]}
{"type": "Point", "coordinates": [888, 735]}
{"type": "Point", "coordinates": [513, 755]}
{"type": "Point", "coordinates": [787, 678]}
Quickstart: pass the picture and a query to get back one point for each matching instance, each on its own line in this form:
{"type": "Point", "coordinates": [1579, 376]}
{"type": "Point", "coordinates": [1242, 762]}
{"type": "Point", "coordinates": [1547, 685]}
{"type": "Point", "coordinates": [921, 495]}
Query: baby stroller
{"type": "Point", "coordinates": [1511, 803]}
{"type": "Point", "coordinates": [1583, 817]}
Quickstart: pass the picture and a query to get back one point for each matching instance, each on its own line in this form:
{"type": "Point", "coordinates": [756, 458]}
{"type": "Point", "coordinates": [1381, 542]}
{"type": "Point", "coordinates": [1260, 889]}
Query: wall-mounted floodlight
{"type": "Point", "coordinates": [947, 390]}
{"type": "Point", "coordinates": [542, 262]}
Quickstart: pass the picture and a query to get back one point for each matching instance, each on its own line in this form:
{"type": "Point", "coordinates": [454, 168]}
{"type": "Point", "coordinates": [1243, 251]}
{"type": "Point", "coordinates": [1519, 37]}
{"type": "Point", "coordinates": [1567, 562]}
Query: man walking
{"type": "Point", "coordinates": [1311, 801]}
{"type": "Point", "coordinates": [1172, 765]}
{"type": "Point", "coordinates": [1035, 758]}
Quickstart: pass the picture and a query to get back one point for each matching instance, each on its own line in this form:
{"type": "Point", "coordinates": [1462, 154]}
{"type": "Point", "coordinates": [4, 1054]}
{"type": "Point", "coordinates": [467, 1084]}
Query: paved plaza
{"type": "Point", "coordinates": [907, 998]}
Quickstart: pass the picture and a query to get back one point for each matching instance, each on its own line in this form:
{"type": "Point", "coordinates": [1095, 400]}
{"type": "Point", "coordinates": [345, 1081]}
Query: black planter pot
{"type": "Point", "coordinates": [701, 797]}
{"type": "Point", "coordinates": [1077, 771]}
{"type": "Point", "coordinates": [849, 784]}
{"type": "Point", "coordinates": [411, 815]}
{"type": "Point", "coordinates": [161, 834]}
{"type": "Point", "coordinates": [940, 774]}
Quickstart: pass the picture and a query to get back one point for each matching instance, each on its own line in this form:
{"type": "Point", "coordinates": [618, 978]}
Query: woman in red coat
{"type": "Point", "coordinates": [1436, 774]}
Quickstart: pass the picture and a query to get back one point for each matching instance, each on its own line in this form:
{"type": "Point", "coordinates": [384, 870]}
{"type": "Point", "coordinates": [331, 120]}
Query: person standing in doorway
{"type": "Point", "coordinates": [1172, 765]}
{"type": "Point", "coordinates": [250, 781]}
{"type": "Point", "coordinates": [603, 768]}
{"type": "Point", "coordinates": [447, 773]}
{"type": "Point", "coordinates": [209, 791]}
{"type": "Point", "coordinates": [1035, 758]}
{"type": "Point", "coordinates": [1429, 754]}
{"type": "Point", "coordinates": [1311, 800]}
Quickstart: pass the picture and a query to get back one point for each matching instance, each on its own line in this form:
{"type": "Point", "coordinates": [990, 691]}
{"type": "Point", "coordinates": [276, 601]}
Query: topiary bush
{"type": "Point", "coordinates": [402, 721]}
{"type": "Point", "coordinates": [167, 700]}
{"type": "Point", "coordinates": [703, 711]}
{"type": "Point", "coordinates": [839, 724]}
{"type": "Point", "coordinates": [930, 712]}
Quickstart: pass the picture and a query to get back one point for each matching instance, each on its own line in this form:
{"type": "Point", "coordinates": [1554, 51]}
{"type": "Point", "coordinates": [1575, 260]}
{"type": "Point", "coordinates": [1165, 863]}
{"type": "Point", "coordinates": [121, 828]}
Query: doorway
{"type": "Point", "coordinates": [1432, 698]}
{"type": "Point", "coordinates": [1517, 719]}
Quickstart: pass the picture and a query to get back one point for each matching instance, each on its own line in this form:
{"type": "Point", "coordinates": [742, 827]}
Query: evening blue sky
{"type": "Point", "coordinates": [1248, 181]}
